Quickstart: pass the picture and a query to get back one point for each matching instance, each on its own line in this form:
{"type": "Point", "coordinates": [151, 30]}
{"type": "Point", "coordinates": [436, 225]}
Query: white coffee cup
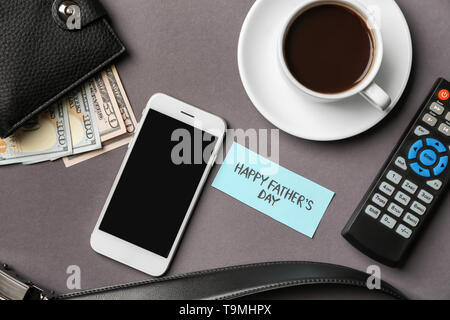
{"type": "Point", "coordinates": [367, 87]}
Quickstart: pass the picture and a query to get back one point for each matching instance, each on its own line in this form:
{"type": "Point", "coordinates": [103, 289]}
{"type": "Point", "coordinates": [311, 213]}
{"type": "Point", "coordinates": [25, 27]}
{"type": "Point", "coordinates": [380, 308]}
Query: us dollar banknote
{"type": "Point", "coordinates": [116, 89]}
{"type": "Point", "coordinates": [109, 119]}
{"type": "Point", "coordinates": [116, 92]}
{"type": "Point", "coordinates": [83, 125]}
{"type": "Point", "coordinates": [45, 137]}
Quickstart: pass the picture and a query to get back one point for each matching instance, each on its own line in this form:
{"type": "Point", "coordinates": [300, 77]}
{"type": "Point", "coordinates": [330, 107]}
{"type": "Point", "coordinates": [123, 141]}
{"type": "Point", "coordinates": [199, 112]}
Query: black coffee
{"type": "Point", "coordinates": [329, 49]}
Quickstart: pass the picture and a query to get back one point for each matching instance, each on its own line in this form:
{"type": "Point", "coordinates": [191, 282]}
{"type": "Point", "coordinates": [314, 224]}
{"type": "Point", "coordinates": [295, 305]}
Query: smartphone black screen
{"type": "Point", "coordinates": [158, 184]}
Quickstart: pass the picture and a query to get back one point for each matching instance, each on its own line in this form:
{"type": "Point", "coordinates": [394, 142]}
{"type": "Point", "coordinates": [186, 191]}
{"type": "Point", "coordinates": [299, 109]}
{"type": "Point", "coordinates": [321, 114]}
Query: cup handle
{"type": "Point", "coordinates": [377, 97]}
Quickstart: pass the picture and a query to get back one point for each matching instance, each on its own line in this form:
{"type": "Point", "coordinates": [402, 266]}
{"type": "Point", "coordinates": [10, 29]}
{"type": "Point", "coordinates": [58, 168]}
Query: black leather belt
{"type": "Point", "coordinates": [219, 284]}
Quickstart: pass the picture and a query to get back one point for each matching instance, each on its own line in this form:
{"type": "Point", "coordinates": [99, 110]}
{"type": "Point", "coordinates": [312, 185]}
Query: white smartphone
{"type": "Point", "coordinates": [158, 185]}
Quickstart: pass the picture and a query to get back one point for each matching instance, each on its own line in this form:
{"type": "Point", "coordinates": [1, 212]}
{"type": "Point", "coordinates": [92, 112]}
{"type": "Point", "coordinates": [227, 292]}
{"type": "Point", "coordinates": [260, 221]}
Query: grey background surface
{"type": "Point", "coordinates": [188, 49]}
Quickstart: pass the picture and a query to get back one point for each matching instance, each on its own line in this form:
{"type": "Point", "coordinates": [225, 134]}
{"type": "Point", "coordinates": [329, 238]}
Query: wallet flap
{"type": "Point", "coordinates": [75, 15]}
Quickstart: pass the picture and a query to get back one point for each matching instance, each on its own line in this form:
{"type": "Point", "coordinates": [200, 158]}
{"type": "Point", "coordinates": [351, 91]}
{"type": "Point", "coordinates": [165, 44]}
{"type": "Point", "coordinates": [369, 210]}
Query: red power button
{"type": "Point", "coordinates": [444, 95]}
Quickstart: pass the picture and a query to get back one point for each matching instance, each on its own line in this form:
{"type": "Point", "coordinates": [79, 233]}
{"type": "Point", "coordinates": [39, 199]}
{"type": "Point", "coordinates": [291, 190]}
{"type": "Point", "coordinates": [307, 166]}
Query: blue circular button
{"type": "Point", "coordinates": [415, 150]}
{"type": "Point", "coordinates": [441, 166]}
{"type": "Point", "coordinates": [428, 157]}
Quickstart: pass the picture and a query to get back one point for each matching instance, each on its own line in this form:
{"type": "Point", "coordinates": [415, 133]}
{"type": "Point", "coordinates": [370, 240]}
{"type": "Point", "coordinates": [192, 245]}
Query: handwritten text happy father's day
{"type": "Point", "coordinates": [273, 191]}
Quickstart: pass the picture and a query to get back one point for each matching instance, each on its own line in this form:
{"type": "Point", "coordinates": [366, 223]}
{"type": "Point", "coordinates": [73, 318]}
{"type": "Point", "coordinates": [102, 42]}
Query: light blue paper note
{"type": "Point", "coordinates": [273, 190]}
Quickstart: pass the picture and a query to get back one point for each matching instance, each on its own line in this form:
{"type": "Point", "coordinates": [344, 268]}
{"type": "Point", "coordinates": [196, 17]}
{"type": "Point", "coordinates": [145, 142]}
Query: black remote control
{"type": "Point", "coordinates": [407, 190]}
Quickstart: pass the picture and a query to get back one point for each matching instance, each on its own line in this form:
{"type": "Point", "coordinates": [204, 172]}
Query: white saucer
{"type": "Point", "coordinates": [290, 110]}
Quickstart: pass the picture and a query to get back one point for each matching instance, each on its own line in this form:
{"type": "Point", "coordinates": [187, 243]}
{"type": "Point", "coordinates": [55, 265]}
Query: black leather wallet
{"type": "Point", "coordinates": [47, 49]}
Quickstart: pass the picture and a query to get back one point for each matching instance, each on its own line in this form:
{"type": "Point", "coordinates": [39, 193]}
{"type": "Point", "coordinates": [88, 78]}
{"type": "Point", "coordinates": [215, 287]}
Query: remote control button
{"type": "Point", "coordinates": [412, 220]}
{"type": "Point", "coordinates": [444, 95]}
{"type": "Point", "coordinates": [401, 163]}
{"type": "Point", "coordinates": [415, 150]}
{"type": "Point", "coordinates": [387, 188]}
{"type": "Point", "coordinates": [442, 165]}
{"type": "Point", "coordinates": [436, 144]}
{"type": "Point", "coordinates": [445, 129]}
{"type": "Point", "coordinates": [410, 187]}
{"type": "Point", "coordinates": [447, 117]}
{"type": "Point", "coordinates": [395, 210]}
{"type": "Point", "coordinates": [437, 108]}
{"type": "Point", "coordinates": [435, 184]}
{"type": "Point", "coordinates": [405, 232]}
{"type": "Point", "coordinates": [378, 199]}
{"type": "Point", "coordinates": [418, 208]}
{"type": "Point", "coordinates": [421, 131]}
{"type": "Point", "coordinates": [394, 177]}
{"type": "Point", "coordinates": [402, 198]}
{"type": "Point", "coordinates": [420, 171]}
{"type": "Point", "coordinates": [373, 212]}
{"type": "Point", "coordinates": [425, 197]}
{"type": "Point", "coordinates": [430, 120]}
{"type": "Point", "coordinates": [388, 221]}
{"type": "Point", "coordinates": [428, 157]}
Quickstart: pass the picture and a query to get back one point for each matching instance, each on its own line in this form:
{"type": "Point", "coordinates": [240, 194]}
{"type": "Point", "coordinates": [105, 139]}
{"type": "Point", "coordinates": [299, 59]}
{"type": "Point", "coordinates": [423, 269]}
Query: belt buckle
{"type": "Point", "coordinates": [11, 288]}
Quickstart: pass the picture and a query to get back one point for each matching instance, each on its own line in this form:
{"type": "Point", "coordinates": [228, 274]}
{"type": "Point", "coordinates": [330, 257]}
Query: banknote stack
{"type": "Point", "coordinates": [92, 120]}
